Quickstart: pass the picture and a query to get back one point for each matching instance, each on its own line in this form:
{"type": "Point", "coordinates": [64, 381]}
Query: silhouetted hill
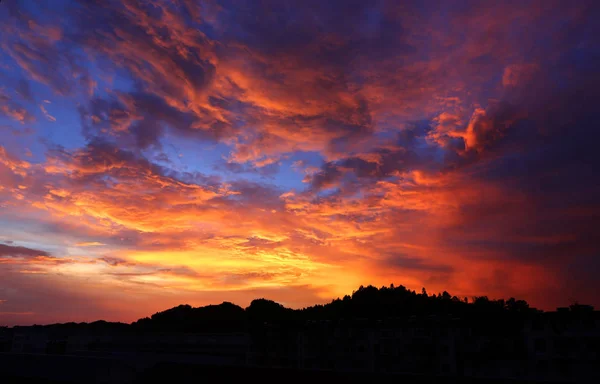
{"type": "Point", "coordinates": [261, 310]}
{"type": "Point", "coordinates": [364, 303]}
{"type": "Point", "coordinates": [99, 326]}
{"type": "Point", "coordinates": [215, 318]}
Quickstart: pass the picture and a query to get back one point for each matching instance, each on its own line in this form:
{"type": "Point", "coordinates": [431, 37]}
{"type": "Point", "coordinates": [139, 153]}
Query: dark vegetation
{"type": "Point", "coordinates": [365, 303]}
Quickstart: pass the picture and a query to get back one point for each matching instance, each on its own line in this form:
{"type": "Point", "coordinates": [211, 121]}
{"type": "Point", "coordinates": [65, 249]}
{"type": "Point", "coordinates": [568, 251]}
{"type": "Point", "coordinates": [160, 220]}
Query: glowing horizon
{"type": "Point", "coordinates": [156, 153]}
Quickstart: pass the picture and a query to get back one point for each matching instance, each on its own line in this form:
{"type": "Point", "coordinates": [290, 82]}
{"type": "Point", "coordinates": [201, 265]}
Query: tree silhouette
{"type": "Point", "coordinates": [263, 310]}
{"type": "Point", "coordinates": [365, 303]}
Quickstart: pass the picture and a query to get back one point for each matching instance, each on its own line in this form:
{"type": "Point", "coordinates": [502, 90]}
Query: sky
{"type": "Point", "coordinates": [154, 153]}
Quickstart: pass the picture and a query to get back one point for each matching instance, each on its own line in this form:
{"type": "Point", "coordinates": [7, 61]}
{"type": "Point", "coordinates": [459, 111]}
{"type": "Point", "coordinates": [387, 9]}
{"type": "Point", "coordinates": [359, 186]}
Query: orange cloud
{"type": "Point", "coordinates": [89, 244]}
{"type": "Point", "coordinates": [518, 74]}
{"type": "Point", "coordinates": [204, 155]}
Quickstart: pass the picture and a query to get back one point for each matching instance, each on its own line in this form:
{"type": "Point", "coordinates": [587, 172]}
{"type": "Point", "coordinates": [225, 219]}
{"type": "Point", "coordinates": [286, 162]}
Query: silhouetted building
{"type": "Point", "coordinates": [392, 345]}
{"type": "Point", "coordinates": [564, 344]}
{"type": "Point", "coordinates": [274, 345]}
{"type": "Point", "coordinates": [29, 340]}
{"type": "Point", "coordinates": [488, 344]}
{"type": "Point", "coordinates": [6, 339]}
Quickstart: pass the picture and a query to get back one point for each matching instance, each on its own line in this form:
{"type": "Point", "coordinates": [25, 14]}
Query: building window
{"type": "Point", "coordinates": [540, 345]}
{"type": "Point", "coordinates": [537, 325]}
{"type": "Point", "coordinates": [444, 350]}
{"type": "Point", "coordinates": [542, 367]}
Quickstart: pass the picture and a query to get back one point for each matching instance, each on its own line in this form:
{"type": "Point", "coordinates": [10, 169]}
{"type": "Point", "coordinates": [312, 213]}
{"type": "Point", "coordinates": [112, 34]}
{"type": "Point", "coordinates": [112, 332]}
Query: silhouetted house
{"type": "Point", "coordinates": [391, 341]}
{"type": "Point", "coordinates": [316, 346]}
{"type": "Point", "coordinates": [29, 340]}
{"type": "Point", "coordinates": [341, 346]}
{"type": "Point", "coordinates": [6, 338]}
{"type": "Point", "coordinates": [491, 346]}
{"type": "Point", "coordinates": [352, 345]}
{"type": "Point", "coordinates": [564, 344]}
{"type": "Point", "coordinates": [495, 344]}
{"type": "Point", "coordinates": [391, 345]}
{"type": "Point", "coordinates": [211, 348]}
{"type": "Point", "coordinates": [273, 345]}
{"type": "Point", "coordinates": [80, 343]}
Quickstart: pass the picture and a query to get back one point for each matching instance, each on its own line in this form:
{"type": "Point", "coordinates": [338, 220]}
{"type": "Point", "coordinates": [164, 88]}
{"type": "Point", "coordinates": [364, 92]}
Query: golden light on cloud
{"type": "Point", "coordinates": [89, 244]}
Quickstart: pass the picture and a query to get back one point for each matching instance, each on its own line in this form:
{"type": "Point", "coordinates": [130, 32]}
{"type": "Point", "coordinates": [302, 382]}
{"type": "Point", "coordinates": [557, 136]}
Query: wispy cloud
{"type": "Point", "coordinates": [46, 114]}
{"type": "Point", "coordinates": [89, 244]}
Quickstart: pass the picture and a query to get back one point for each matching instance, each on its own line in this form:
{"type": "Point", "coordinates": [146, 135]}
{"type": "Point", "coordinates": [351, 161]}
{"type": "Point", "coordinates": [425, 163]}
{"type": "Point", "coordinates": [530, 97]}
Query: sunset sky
{"type": "Point", "coordinates": [154, 153]}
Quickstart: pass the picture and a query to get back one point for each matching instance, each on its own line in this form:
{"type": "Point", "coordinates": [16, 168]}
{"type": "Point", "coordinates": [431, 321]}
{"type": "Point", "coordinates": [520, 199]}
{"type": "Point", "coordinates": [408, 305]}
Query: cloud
{"type": "Point", "coordinates": [324, 147]}
{"type": "Point", "coordinates": [403, 262]}
{"type": "Point", "coordinates": [23, 252]}
{"type": "Point", "coordinates": [89, 244]}
{"type": "Point", "coordinates": [28, 260]}
{"type": "Point", "coordinates": [518, 74]}
{"type": "Point", "coordinates": [13, 110]}
{"type": "Point", "coordinates": [46, 114]}
{"type": "Point", "coordinates": [113, 261]}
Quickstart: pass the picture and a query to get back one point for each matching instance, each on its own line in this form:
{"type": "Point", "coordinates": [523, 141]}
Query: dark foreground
{"type": "Point", "coordinates": [37, 369]}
